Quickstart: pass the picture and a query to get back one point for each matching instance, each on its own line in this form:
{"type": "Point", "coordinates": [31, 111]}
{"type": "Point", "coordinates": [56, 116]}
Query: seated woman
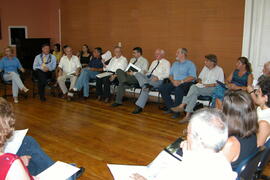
{"type": "Point", "coordinates": [239, 79]}
{"type": "Point", "coordinates": [85, 55]}
{"type": "Point", "coordinates": [11, 165]}
{"type": "Point", "coordinates": [262, 99]}
{"type": "Point", "coordinates": [95, 66]}
{"type": "Point", "coordinates": [241, 115]}
{"type": "Point", "coordinates": [57, 52]}
{"type": "Point", "coordinates": [10, 65]}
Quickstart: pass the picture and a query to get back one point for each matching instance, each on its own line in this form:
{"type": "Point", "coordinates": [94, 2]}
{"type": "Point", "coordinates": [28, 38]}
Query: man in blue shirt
{"type": "Point", "coordinates": [44, 64]}
{"type": "Point", "coordinates": [182, 73]}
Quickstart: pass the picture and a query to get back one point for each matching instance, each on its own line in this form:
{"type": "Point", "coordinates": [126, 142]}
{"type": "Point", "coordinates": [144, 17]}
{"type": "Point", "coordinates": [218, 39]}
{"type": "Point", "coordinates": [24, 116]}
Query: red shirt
{"type": "Point", "coordinates": [6, 161]}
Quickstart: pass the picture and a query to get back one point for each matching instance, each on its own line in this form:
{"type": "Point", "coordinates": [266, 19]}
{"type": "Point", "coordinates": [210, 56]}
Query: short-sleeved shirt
{"type": "Point", "coordinates": [69, 65]}
{"type": "Point", "coordinates": [210, 76]}
{"type": "Point", "coordinates": [181, 70]}
{"type": "Point", "coordinates": [10, 65]}
{"type": "Point", "coordinates": [95, 63]}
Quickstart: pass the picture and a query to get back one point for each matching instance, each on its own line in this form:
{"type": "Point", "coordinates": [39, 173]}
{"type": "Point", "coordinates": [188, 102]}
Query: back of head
{"type": "Point", "coordinates": [7, 121]}
{"type": "Point", "coordinates": [241, 113]}
{"type": "Point", "coordinates": [208, 129]}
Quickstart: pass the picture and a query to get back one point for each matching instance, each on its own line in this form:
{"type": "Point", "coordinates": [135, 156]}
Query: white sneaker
{"type": "Point", "coordinates": [16, 100]}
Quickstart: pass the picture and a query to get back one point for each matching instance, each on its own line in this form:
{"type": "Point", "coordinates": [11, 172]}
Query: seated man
{"type": "Point", "coordinates": [182, 73]}
{"type": "Point", "coordinates": [159, 70]}
{"type": "Point", "coordinates": [265, 71]}
{"type": "Point", "coordinates": [210, 74]}
{"type": "Point", "coordinates": [202, 156]}
{"type": "Point", "coordinates": [69, 68]}
{"type": "Point", "coordinates": [44, 64]}
{"type": "Point", "coordinates": [103, 84]}
{"type": "Point", "coordinates": [95, 66]}
{"type": "Point", "coordinates": [127, 78]}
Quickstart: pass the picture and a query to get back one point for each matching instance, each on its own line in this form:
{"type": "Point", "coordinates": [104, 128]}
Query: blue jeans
{"type": "Point", "coordinates": [40, 160]}
{"type": "Point", "coordinates": [83, 81]}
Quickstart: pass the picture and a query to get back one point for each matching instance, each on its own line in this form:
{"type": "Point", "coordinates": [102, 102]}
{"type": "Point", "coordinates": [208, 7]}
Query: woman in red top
{"type": "Point", "coordinates": [12, 167]}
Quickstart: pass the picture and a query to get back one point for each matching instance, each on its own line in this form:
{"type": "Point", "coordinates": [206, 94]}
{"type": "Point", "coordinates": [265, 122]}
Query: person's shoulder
{"type": "Point", "coordinates": [143, 58]}
{"type": "Point", "coordinates": [165, 60]}
{"type": "Point", "coordinates": [124, 58]}
{"type": "Point", "coordinates": [190, 62]}
{"type": "Point", "coordinates": [53, 56]}
{"type": "Point", "coordinates": [38, 56]}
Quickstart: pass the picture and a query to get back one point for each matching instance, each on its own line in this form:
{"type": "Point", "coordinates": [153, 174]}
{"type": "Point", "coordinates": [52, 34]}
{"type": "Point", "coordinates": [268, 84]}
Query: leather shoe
{"type": "Point", "coordinates": [80, 172]}
{"type": "Point", "coordinates": [137, 110]}
{"type": "Point", "coordinates": [116, 104]}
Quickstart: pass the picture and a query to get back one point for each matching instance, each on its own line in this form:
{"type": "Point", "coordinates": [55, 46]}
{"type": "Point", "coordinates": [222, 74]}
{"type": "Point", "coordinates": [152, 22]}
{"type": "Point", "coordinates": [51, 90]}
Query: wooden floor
{"type": "Point", "coordinates": [91, 133]}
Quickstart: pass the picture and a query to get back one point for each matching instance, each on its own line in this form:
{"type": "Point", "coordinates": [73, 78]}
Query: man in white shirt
{"type": "Point", "coordinates": [210, 74]}
{"type": "Point", "coordinates": [202, 158]}
{"type": "Point", "coordinates": [158, 71]}
{"type": "Point", "coordinates": [127, 78]}
{"type": "Point", "coordinates": [103, 84]}
{"type": "Point", "coordinates": [69, 68]}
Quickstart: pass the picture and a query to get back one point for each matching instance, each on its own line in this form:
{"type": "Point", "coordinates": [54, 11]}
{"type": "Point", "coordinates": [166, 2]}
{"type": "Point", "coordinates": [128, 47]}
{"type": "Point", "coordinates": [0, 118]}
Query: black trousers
{"type": "Point", "coordinates": [103, 86]}
{"type": "Point", "coordinates": [42, 81]}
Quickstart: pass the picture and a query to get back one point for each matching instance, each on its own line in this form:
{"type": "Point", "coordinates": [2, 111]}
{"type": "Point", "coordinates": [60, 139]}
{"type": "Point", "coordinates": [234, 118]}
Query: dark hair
{"type": "Point", "coordinates": [241, 113]}
{"type": "Point", "coordinates": [64, 47]}
{"type": "Point", "coordinates": [88, 50]}
{"type": "Point", "coordinates": [212, 58]}
{"type": "Point", "coordinates": [245, 61]}
{"type": "Point", "coordinates": [265, 88]}
{"type": "Point", "coordinates": [7, 121]}
{"type": "Point", "coordinates": [138, 49]}
{"type": "Point", "coordinates": [45, 44]}
{"type": "Point", "coordinates": [58, 46]}
{"type": "Point", "coordinates": [99, 50]}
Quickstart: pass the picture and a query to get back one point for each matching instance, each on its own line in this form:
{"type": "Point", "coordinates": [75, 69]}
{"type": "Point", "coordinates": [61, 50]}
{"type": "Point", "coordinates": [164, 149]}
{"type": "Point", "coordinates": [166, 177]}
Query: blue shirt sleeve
{"type": "Point", "coordinates": [192, 70]}
{"type": "Point", "coordinates": [19, 66]}
{"type": "Point", "coordinates": [172, 69]}
{"type": "Point", "coordinates": [52, 64]}
{"type": "Point", "coordinates": [36, 64]}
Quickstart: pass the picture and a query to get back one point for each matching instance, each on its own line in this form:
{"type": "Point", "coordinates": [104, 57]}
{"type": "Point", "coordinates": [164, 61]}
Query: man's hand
{"type": "Point", "coordinates": [22, 69]}
{"type": "Point", "coordinates": [130, 73]}
{"type": "Point", "coordinates": [113, 77]}
{"type": "Point", "coordinates": [45, 69]}
{"type": "Point", "coordinates": [176, 83]}
{"type": "Point", "coordinates": [137, 177]}
{"type": "Point", "coordinates": [154, 79]}
{"type": "Point", "coordinates": [250, 89]}
{"type": "Point", "coordinates": [25, 160]}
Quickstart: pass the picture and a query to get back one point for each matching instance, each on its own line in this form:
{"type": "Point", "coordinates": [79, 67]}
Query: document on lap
{"type": "Point", "coordinates": [104, 74]}
{"type": "Point", "coordinates": [199, 85]}
{"type": "Point", "coordinates": [14, 143]}
{"type": "Point", "coordinates": [131, 67]}
{"type": "Point", "coordinates": [71, 73]}
{"type": "Point", "coordinates": [166, 159]}
{"type": "Point", "coordinates": [59, 171]}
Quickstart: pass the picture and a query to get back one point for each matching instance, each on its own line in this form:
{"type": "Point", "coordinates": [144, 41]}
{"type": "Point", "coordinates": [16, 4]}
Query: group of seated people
{"type": "Point", "coordinates": [179, 79]}
{"type": "Point", "coordinates": [229, 136]}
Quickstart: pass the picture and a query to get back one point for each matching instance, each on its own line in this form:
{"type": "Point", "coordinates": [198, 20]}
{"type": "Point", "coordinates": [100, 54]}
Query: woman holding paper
{"type": "Point", "coordinates": [12, 167]}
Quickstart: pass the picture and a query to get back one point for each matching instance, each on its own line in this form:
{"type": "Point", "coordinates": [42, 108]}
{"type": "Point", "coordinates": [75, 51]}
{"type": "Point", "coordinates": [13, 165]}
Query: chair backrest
{"type": "Point", "coordinates": [264, 158]}
{"type": "Point", "coordinates": [247, 168]}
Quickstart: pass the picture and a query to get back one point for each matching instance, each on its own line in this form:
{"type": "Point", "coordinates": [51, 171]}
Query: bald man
{"type": "Point", "coordinates": [159, 70]}
{"type": "Point", "coordinates": [265, 71]}
{"type": "Point", "coordinates": [182, 73]}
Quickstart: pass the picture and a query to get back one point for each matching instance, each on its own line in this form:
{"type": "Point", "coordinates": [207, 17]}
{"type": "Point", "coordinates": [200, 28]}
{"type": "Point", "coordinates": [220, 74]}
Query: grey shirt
{"type": "Point", "coordinates": [141, 63]}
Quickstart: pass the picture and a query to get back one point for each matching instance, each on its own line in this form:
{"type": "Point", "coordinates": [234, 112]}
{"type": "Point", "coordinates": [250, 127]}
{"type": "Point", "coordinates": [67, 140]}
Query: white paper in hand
{"type": "Point", "coordinates": [59, 171]}
{"type": "Point", "coordinates": [124, 172]}
{"type": "Point", "coordinates": [14, 143]}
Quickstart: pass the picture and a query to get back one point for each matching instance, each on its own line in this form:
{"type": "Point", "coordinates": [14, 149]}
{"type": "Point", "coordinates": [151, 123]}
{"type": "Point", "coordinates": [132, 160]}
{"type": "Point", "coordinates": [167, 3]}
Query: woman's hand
{"type": "Point", "coordinates": [137, 177]}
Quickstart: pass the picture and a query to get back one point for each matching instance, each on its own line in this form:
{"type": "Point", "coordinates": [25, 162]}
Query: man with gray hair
{"type": "Point", "coordinates": [159, 70]}
{"type": "Point", "coordinates": [182, 73]}
{"type": "Point", "coordinates": [202, 156]}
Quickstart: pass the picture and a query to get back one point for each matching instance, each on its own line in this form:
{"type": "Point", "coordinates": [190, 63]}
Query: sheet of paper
{"type": "Point", "coordinates": [14, 143]}
{"type": "Point", "coordinates": [71, 73]}
{"type": "Point", "coordinates": [199, 85]}
{"type": "Point", "coordinates": [59, 171]}
{"type": "Point", "coordinates": [162, 161]}
{"type": "Point", "coordinates": [123, 172]}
